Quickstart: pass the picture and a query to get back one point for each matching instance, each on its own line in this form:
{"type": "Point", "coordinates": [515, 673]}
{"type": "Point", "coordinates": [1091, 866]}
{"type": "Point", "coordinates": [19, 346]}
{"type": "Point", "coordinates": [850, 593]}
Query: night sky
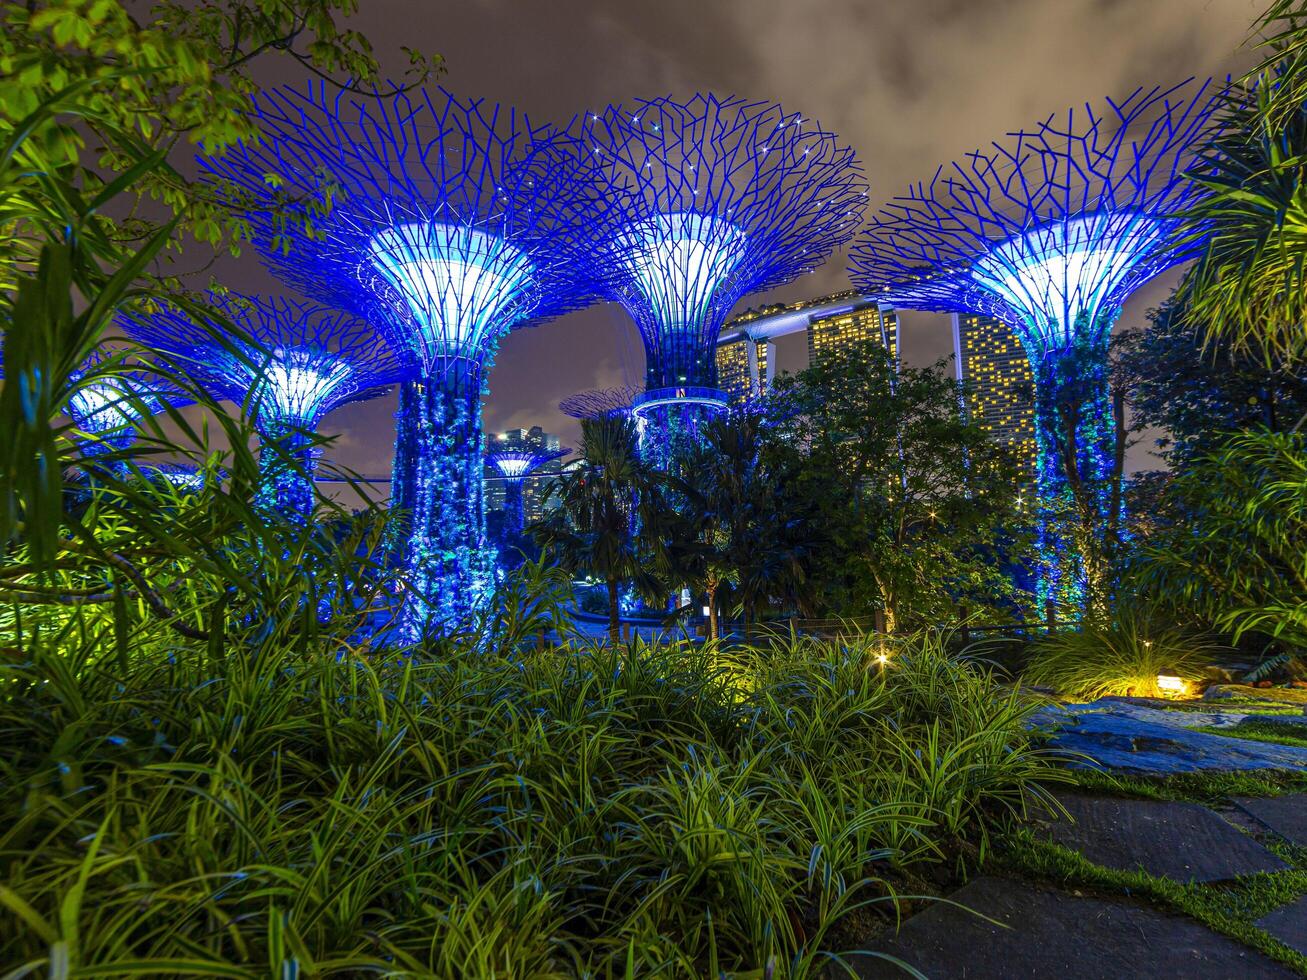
{"type": "Point", "coordinates": [910, 84]}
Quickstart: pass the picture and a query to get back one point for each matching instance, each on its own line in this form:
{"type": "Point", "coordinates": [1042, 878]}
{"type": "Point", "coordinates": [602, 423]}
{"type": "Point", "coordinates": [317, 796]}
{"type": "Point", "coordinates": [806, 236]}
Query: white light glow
{"type": "Point", "coordinates": [101, 406]}
{"type": "Point", "coordinates": [514, 467]}
{"type": "Point", "coordinates": [457, 281]}
{"type": "Point", "coordinates": [679, 261]}
{"type": "Point", "coordinates": [298, 382]}
{"type": "Point", "coordinates": [1068, 272]}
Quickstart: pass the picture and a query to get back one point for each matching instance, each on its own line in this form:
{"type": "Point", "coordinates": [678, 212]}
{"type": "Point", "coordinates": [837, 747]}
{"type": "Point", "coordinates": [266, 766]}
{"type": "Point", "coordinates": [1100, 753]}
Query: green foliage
{"type": "Point", "coordinates": [611, 516]}
{"type": "Point", "coordinates": [911, 508]}
{"type": "Point", "coordinates": [598, 811]}
{"type": "Point", "coordinates": [1198, 396]}
{"type": "Point", "coordinates": [1121, 656]}
{"type": "Point", "coordinates": [745, 545]}
{"type": "Point", "coordinates": [1262, 731]}
{"type": "Point", "coordinates": [1239, 561]}
{"type": "Point", "coordinates": [1248, 287]}
{"type": "Point", "coordinates": [94, 88]}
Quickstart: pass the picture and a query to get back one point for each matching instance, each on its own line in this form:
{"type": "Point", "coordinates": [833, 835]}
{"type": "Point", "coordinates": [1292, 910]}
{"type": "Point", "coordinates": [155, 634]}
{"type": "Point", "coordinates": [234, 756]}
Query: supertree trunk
{"type": "Point", "coordinates": [514, 512]}
{"type": "Point", "coordinates": [403, 472]}
{"type": "Point", "coordinates": [286, 467]}
{"type": "Point", "coordinates": [447, 560]}
{"type": "Point", "coordinates": [1076, 438]}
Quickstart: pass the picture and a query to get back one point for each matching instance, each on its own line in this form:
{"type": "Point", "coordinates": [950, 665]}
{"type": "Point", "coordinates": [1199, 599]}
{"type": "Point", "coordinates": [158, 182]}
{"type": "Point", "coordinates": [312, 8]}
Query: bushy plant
{"type": "Point", "coordinates": [586, 810]}
{"type": "Point", "coordinates": [1120, 656]}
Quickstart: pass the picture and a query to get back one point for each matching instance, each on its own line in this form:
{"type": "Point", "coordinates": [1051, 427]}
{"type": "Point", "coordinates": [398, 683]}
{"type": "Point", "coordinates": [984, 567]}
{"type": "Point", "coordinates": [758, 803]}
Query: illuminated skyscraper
{"type": "Point", "coordinates": [992, 363]}
{"type": "Point", "coordinates": [835, 332]}
{"type": "Point", "coordinates": [745, 367]}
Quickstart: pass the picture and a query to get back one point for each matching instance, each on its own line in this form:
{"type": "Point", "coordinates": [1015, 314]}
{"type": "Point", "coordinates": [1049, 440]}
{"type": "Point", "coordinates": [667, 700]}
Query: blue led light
{"type": "Point", "coordinates": [1050, 233]}
{"type": "Point", "coordinates": [1069, 272]}
{"type": "Point", "coordinates": [708, 200]}
{"type": "Point", "coordinates": [515, 464]}
{"type": "Point", "coordinates": [679, 262]}
{"type": "Point", "coordinates": [451, 223]}
{"type": "Point", "coordinates": [291, 362]}
{"type": "Point", "coordinates": [456, 280]}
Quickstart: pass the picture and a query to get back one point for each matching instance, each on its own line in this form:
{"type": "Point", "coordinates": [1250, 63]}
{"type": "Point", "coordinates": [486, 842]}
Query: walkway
{"type": "Point", "coordinates": [1096, 892]}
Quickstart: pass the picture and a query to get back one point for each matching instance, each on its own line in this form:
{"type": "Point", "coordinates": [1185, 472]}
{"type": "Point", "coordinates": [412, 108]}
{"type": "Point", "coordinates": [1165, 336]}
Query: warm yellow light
{"type": "Point", "coordinates": [882, 658]}
{"type": "Point", "coordinates": [1170, 684]}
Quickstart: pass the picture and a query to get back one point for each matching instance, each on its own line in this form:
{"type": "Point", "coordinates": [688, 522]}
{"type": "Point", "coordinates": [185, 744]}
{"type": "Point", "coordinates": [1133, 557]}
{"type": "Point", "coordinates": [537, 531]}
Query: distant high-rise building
{"type": "Point", "coordinates": [745, 367]}
{"type": "Point", "coordinates": [834, 332]}
{"type": "Point", "coordinates": [534, 485]}
{"type": "Point", "coordinates": [992, 363]}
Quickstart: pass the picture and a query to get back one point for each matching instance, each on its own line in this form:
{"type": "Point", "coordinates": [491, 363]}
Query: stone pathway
{"type": "Point", "coordinates": [1046, 931]}
{"type": "Point", "coordinates": [1181, 841]}
{"type": "Point", "coordinates": [1283, 815]}
{"type": "Point", "coordinates": [1288, 924]}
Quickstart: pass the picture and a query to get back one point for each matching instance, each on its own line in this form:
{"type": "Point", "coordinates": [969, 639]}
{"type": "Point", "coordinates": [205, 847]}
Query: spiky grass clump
{"type": "Point", "coordinates": [584, 811]}
{"type": "Point", "coordinates": [1119, 657]}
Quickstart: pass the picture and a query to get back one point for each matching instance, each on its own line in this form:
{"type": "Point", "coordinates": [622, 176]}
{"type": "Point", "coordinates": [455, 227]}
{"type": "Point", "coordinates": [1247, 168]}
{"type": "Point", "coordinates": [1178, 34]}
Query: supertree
{"type": "Point", "coordinates": [290, 363]}
{"type": "Point", "coordinates": [709, 200]}
{"type": "Point", "coordinates": [596, 403]}
{"type": "Point", "coordinates": [515, 464]}
{"type": "Point", "coordinates": [1050, 232]}
{"type": "Point", "coordinates": [111, 396]}
{"type": "Point", "coordinates": [452, 223]}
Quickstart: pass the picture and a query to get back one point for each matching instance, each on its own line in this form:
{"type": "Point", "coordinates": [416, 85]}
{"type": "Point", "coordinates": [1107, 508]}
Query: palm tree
{"type": "Point", "coordinates": [742, 540]}
{"type": "Point", "coordinates": [610, 514]}
{"type": "Point", "coordinates": [1248, 285]}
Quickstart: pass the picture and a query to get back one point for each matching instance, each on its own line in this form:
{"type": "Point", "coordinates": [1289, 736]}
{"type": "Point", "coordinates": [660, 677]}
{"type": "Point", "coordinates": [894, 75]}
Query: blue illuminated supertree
{"type": "Point", "coordinates": [1050, 233]}
{"type": "Point", "coordinates": [595, 403]}
{"type": "Point", "coordinates": [111, 397]}
{"type": "Point", "coordinates": [452, 223]}
{"type": "Point", "coordinates": [709, 200]}
{"type": "Point", "coordinates": [291, 364]}
{"type": "Point", "coordinates": [515, 464]}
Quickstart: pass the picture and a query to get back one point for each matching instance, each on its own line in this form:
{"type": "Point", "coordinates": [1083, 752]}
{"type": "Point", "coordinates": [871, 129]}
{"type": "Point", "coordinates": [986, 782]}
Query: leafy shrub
{"type": "Point", "coordinates": [1119, 657]}
{"type": "Point", "coordinates": [631, 810]}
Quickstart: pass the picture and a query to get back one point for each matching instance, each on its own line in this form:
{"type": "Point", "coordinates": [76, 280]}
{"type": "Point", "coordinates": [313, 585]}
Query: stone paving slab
{"type": "Point", "coordinates": [1181, 841]}
{"type": "Point", "coordinates": [1285, 815]}
{"type": "Point", "coordinates": [1055, 934]}
{"type": "Point", "coordinates": [1288, 924]}
{"type": "Point", "coordinates": [1125, 739]}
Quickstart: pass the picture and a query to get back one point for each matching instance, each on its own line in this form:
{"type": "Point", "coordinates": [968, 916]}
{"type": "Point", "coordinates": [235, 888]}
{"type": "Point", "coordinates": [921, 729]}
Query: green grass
{"type": "Point", "coordinates": [1207, 788]}
{"type": "Point", "coordinates": [1229, 908]}
{"type": "Point", "coordinates": [1123, 656]}
{"type": "Point", "coordinates": [477, 811]}
{"type": "Point", "coordinates": [1262, 732]}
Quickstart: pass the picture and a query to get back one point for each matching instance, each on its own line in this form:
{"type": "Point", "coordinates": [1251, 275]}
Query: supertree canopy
{"type": "Point", "coordinates": [600, 402]}
{"type": "Point", "coordinates": [1050, 232]}
{"type": "Point", "coordinates": [451, 223]}
{"type": "Point", "coordinates": [709, 200]}
{"type": "Point", "coordinates": [515, 464]}
{"type": "Point", "coordinates": [291, 363]}
{"type": "Point", "coordinates": [110, 397]}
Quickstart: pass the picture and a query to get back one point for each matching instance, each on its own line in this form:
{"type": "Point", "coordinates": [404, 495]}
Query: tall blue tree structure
{"type": "Point", "coordinates": [291, 364]}
{"type": "Point", "coordinates": [451, 224]}
{"type": "Point", "coordinates": [515, 465]}
{"type": "Point", "coordinates": [710, 200]}
{"type": "Point", "coordinates": [1050, 232]}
